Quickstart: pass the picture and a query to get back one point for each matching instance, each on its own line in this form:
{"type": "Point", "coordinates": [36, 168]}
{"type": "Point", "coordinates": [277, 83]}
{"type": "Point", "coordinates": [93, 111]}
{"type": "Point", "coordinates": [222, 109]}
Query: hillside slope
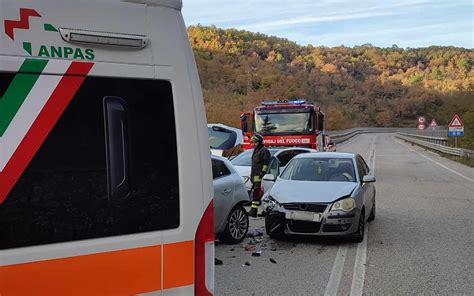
{"type": "Point", "coordinates": [359, 86]}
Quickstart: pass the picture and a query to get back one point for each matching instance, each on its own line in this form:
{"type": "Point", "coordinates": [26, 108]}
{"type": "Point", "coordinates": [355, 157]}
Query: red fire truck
{"type": "Point", "coordinates": [285, 124]}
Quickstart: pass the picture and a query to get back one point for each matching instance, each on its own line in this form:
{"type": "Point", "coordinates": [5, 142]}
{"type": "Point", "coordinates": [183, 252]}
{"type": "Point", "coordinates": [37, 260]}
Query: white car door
{"type": "Point", "coordinates": [274, 170]}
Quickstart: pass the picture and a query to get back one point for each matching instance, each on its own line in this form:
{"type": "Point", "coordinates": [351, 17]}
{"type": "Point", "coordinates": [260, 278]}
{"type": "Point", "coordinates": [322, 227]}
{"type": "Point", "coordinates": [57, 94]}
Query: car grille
{"type": "Point", "coordinates": [336, 228]}
{"type": "Point", "coordinates": [304, 226]}
{"type": "Point", "coordinates": [307, 207]}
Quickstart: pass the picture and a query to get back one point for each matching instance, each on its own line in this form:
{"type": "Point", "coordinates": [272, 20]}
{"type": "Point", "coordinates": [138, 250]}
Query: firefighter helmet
{"type": "Point", "coordinates": [256, 138]}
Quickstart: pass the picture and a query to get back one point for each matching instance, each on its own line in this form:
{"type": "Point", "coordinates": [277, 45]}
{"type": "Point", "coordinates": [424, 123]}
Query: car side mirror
{"type": "Point", "coordinates": [368, 179]}
{"type": "Point", "coordinates": [269, 177]}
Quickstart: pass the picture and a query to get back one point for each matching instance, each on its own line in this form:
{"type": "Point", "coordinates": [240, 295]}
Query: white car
{"type": "Point", "coordinates": [221, 137]}
{"type": "Point", "coordinates": [280, 157]}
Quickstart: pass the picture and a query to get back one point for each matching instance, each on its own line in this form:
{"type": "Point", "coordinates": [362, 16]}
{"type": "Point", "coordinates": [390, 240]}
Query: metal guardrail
{"type": "Point", "coordinates": [430, 142]}
{"type": "Point", "coordinates": [437, 141]}
{"type": "Point", "coordinates": [434, 140]}
{"type": "Point", "coordinates": [342, 136]}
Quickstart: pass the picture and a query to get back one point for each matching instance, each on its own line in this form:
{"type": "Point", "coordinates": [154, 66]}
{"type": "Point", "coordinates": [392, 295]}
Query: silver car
{"type": "Point", "coordinates": [325, 193]}
{"type": "Point", "coordinates": [231, 221]}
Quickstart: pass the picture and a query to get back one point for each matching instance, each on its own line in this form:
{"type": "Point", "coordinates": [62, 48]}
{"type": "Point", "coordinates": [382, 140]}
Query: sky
{"type": "Point", "coordinates": [382, 23]}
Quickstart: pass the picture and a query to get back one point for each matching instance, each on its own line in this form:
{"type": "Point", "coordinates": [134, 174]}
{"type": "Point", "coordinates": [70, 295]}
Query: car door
{"type": "Point", "coordinates": [365, 187]}
{"type": "Point", "coordinates": [371, 186]}
{"type": "Point", "coordinates": [223, 192]}
{"type": "Point", "coordinates": [273, 169]}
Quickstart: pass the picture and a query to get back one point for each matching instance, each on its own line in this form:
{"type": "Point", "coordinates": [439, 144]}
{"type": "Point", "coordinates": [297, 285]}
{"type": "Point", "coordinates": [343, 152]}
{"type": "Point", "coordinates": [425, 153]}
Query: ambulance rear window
{"type": "Point", "coordinates": [65, 193]}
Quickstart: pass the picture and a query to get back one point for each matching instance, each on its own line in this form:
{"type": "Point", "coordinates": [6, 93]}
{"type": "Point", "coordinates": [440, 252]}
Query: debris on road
{"type": "Point", "coordinates": [255, 233]}
{"type": "Point", "coordinates": [246, 263]}
{"type": "Point", "coordinates": [273, 261]}
{"type": "Point", "coordinates": [257, 254]}
{"type": "Point", "coordinates": [232, 249]}
{"type": "Point", "coordinates": [218, 262]}
{"type": "Point", "coordinates": [250, 248]}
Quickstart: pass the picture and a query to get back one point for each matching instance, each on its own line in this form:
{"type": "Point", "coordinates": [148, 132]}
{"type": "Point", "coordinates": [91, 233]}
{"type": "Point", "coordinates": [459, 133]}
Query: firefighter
{"type": "Point", "coordinates": [260, 161]}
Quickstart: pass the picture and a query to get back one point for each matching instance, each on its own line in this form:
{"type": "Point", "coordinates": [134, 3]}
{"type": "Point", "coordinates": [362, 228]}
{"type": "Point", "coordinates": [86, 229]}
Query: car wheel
{"type": "Point", "coordinates": [359, 235]}
{"type": "Point", "coordinates": [237, 226]}
{"type": "Point", "coordinates": [372, 213]}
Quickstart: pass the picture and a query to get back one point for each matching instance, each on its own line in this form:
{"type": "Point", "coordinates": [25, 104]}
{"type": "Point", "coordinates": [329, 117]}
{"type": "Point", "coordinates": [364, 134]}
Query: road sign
{"type": "Point", "coordinates": [421, 119]}
{"type": "Point", "coordinates": [433, 123]}
{"type": "Point", "coordinates": [456, 121]}
{"type": "Point", "coordinates": [421, 126]}
{"type": "Point", "coordinates": [456, 127]}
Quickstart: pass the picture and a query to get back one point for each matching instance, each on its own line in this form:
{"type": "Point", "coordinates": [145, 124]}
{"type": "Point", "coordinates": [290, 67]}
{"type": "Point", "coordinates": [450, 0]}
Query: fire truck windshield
{"type": "Point", "coordinates": [284, 123]}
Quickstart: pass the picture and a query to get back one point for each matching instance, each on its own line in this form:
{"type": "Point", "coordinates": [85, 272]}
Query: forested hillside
{"type": "Point", "coordinates": [359, 86]}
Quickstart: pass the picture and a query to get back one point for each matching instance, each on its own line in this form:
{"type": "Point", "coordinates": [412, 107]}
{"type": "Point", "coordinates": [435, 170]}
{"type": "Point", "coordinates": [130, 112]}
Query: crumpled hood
{"type": "Point", "coordinates": [285, 191]}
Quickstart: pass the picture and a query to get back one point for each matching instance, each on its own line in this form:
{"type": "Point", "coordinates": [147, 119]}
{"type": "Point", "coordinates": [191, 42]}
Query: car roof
{"type": "Point", "coordinates": [327, 155]}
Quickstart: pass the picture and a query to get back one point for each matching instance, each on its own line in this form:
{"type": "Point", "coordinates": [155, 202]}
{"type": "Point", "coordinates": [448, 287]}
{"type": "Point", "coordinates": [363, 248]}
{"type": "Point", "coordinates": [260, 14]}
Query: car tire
{"type": "Point", "coordinates": [359, 235]}
{"type": "Point", "coordinates": [236, 227]}
{"type": "Point", "coordinates": [372, 213]}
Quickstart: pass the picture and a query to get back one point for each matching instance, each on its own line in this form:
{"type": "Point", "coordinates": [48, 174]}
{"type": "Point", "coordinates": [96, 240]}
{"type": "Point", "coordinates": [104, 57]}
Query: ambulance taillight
{"type": "Point", "coordinates": [204, 252]}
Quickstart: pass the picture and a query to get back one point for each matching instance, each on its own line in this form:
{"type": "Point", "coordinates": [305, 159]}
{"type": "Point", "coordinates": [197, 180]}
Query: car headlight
{"type": "Point", "coordinates": [270, 204]}
{"type": "Point", "coordinates": [346, 205]}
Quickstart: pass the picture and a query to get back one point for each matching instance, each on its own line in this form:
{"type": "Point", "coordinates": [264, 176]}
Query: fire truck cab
{"type": "Point", "coordinates": [285, 124]}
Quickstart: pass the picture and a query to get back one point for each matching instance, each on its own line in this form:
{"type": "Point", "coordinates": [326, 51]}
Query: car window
{"type": "Point", "coordinates": [361, 168]}
{"type": "Point", "coordinates": [285, 156]}
{"type": "Point", "coordinates": [245, 158]}
{"type": "Point", "coordinates": [367, 169]}
{"type": "Point", "coordinates": [320, 169]}
{"type": "Point", "coordinates": [219, 169]}
{"type": "Point", "coordinates": [69, 190]}
{"type": "Point", "coordinates": [274, 164]}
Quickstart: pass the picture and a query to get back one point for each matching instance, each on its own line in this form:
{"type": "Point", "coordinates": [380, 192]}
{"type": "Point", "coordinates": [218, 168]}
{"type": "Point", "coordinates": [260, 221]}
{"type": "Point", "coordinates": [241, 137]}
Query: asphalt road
{"type": "Point", "coordinates": [421, 241]}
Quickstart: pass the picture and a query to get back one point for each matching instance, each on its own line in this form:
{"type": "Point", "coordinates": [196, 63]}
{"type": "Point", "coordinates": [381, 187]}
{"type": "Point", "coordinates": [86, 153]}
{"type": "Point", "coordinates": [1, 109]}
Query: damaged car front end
{"type": "Point", "coordinates": [309, 218]}
{"type": "Point", "coordinates": [321, 205]}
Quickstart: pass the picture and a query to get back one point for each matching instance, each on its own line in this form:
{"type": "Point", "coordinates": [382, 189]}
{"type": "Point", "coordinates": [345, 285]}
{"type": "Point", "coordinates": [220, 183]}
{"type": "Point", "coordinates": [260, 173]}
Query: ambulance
{"type": "Point", "coordinates": [105, 172]}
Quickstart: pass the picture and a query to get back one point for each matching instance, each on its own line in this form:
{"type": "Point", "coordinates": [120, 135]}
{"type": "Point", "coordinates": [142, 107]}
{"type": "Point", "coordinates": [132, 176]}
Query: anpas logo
{"type": "Point", "coordinates": [47, 51]}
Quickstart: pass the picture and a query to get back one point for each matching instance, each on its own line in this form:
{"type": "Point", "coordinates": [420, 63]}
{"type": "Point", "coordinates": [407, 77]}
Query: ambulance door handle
{"type": "Point", "coordinates": [117, 146]}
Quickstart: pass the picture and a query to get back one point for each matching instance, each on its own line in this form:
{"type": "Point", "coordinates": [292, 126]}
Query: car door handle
{"type": "Point", "coordinates": [227, 191]}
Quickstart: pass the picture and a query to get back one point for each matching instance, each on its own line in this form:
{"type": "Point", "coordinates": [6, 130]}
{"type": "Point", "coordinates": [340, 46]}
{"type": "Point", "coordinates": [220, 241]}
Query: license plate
{"type": "Point", "coordinates": [304, 216]}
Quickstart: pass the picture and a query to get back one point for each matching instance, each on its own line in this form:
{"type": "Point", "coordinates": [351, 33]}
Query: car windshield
{"type": "Point", "coordinates": [245, 158]}
{"type": "Point", "coordinates": [320, 169]}
{"type": "Point", "coordinates": [275, 123]}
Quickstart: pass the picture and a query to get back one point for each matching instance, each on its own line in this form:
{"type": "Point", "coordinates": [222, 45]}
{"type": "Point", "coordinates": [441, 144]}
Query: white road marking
{"type": "Point", "coordinates": [336, 273]}
{"type": "Point", "coordinates": [358, 277]}
{"type": "Point", "coordinates": [441, 165]}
